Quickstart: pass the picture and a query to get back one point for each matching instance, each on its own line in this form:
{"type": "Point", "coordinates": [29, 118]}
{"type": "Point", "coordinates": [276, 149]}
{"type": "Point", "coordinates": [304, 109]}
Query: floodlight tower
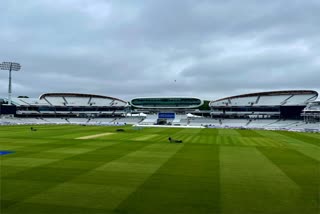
{"type": "Point", "coordinates": [10, 66]}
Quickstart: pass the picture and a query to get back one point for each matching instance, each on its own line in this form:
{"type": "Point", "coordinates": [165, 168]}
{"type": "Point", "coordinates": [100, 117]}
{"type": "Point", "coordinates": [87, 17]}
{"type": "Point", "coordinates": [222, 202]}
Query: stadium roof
{"type": "Point", "coordinates": [78, 95]}
{"type": "Point", "coordinates": [272, 93]}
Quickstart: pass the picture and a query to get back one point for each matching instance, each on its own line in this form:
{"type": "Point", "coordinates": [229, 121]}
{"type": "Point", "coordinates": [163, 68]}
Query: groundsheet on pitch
{"type": "Point", "coordinates": [6, 152]}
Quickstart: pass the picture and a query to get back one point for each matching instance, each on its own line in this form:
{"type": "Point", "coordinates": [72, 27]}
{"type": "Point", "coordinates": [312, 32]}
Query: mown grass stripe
{"type": "Point", "coordinates": [134, 162]}
{"type": "Point", "coordinates": [212, 139]}
{"type": "Point", "coordinates": [188, 139]}
{"type": "Point", "coordinates": [248, 133]}
{"type": "Point", "coordinates": [285, 141]}
{"type": "Point", "coordinates": [222, 140]}
{"type": "Point", "coordinates": [259, 142]}
{"type": "Point", "coordinates": [247, 142]}
{"type": "Point", "coordinates": [250, 183]}
{"type": "Point", "coordinates": [159, 138]}
{"type": "Point", "coordinates": [302, 137]}
{"type": "Point", "coordinates": [241, 142]}
{"type": "Point", "coordinates": [43, 178]}
{"type": "Point", "coordinates": [269, 142]}
{"type": "Point", "coordinates": [178, 136]}
{"type": "Point", "coordinates": [304, 171]}
{"type": "Point", "coordinates": [187, 183]}
{"type": "Point", "coordinates": [229, 132]}
{"type": "Point", "coordinates": [310, 151]}
{"type": "Point", "coordinates": [71, 179]}
{"type": "Point", "coordinates": [195, 139]}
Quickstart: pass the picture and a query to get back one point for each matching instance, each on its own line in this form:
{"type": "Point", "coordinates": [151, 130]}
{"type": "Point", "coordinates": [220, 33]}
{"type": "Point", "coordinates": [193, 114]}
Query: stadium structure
{"type": "Point", "coordinates": [312, 112]}
{"type": "Point", "coordinates": [274, 104]}
{"type": "Point", "coordinates": [295, 110]}
{"type": "Point", "coordinates": [64, 108]}
{"type": "Point", "coordinates": [167, 110]}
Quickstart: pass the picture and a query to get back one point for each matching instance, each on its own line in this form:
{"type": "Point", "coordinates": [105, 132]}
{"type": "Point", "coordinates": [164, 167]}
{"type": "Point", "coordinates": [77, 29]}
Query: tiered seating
{"type": "Point", "coordinates": [100, 102]}
{"type": "Point", "coordinates": [30, 101]}
{"type": "Point", "coordinates": [260, 123]}
{"type": "Point", "coordinates": [150, 120]}
{"type": "Point", "coordinates": [6, 121]}
{"type": "Point", "coordinates": [97, 121]}
{"type": "Point", "coordinates": [184, 122]}
{"type": "Point", "coordinates": [310, 126]}
{"type": "Point", "coordinates": [129, 120]}
{"type": "Point", "coordinates": [221, 103]}
{"type": "Point", "coordinates": [78, 120]}
{"type": "Point", "coordinates": [117, 112]}
{"type": "Point", "coordinates": [298, 123]}
{"type": "Point", "coordinates": [272, 100]}
{"type": "Point", "coordinates": [118, 103]}
{"type": "Point", "coordinates": [313, 107]}
{"type": "Point", "coordinates": [282, 124]}
{"type": "Point", "coordinates": [21, 121]}
{"type": "Point", "coordinates": [77, 101]}
{"type": "Point", "coordinates": [234, 122]}
{"type": "Point", "coordinates": [56, 101]}
{"type": "Point", "coordinates": [39, 102]}
{"type": "Point", "coordinates": [48, 112]}
{"type": "Point", "coordinates": [298, 100]}
{"type": "Point", "coordinates": [244, 101]}
{"type": "Point", "coordinates": [203, 121]}
{"type": "Point", "coordinates": [62, 112]}
{"type": "Point", "coordinates": [17, 102]}
{"type": "Point", "coordinates": [56, 120]}
{"type": "Point", "coordinates": [32, 121]}
{"type": "Point", "coordinates": [178, 118]}
{"type": "Point", "coordinates": [19, 112]}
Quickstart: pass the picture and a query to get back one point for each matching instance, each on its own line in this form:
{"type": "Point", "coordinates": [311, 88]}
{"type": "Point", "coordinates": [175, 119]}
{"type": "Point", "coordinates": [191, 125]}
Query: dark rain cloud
{"type": "Point", "coordinates": [199, 48]}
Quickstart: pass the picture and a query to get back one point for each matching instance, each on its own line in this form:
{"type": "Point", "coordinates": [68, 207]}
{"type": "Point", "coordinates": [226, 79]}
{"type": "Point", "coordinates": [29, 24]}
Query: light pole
{"type": "Point", "coordinates": [10, 66]}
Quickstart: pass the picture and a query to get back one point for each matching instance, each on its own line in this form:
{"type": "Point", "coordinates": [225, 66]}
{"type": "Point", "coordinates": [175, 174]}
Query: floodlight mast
{"type": "Point", "coordinates": [10, 66]}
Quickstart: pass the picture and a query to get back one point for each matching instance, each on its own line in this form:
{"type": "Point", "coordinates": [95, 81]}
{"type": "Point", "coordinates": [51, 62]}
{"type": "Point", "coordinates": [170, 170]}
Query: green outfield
{"type": "Point", "coordinates": [90, 169]}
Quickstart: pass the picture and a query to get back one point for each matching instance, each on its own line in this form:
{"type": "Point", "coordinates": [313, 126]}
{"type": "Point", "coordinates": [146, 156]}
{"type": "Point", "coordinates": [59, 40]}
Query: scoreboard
{"type": "Point", "coordinates": [166, 115]}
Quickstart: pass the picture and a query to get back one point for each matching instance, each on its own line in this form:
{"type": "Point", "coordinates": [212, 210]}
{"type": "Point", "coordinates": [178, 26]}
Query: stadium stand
{"type": "Point", "coordinates": [311, 113]}
{"type": "Point", "coordinates": [283, 110]}
{"type": "Point", "coordinates": [282, 124]}
{"type": "Point", "coordinates": [101, 121]}
{"type": "Point", "coordinates": [78, 120]}
{"type": "Point", "coordinates": [257, 123]}
{"type": "Point", "coordinates": [56, 120]}
{"type": "Point", "coordinates": [245, 101]}
{"type": "Point", "coordinates": [129, 120]}
{"type": "Point", "coordinates": [56, 101]}
{"type": "Point", "coordinates": [234, 122]}
{"type": "Point", "coordinates": [77, 101]}
{"type": "Point", "coordinates": [293, 97]}
{"type": "Point", "coordinates": [272, 100]}
{"type": "Point", "coordinates": [100, 102]}
{"type": "Point", "coordinates": [178, 119]}
{"type": "Point", "coordinates": [275, 104]}
{"type": "Point", "coordinates": [29, 102]}
{"type": "Point", "coordinates": [298, 100]}
{"type": "Point", "coordinates": [204, 121]}
{"type": "Point", "coordinates": [150, 120]}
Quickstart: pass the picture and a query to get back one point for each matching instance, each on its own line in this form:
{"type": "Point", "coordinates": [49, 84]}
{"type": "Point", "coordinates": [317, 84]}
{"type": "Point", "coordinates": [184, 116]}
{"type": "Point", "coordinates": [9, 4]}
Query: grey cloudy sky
{"type": "Point", "coordinates": [139, 48]}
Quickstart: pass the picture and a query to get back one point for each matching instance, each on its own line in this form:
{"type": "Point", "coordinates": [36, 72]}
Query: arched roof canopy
{"type": "Point", "coordinates": [79, 95]}
{"type": "Point", "coordinates": [312, 95]}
